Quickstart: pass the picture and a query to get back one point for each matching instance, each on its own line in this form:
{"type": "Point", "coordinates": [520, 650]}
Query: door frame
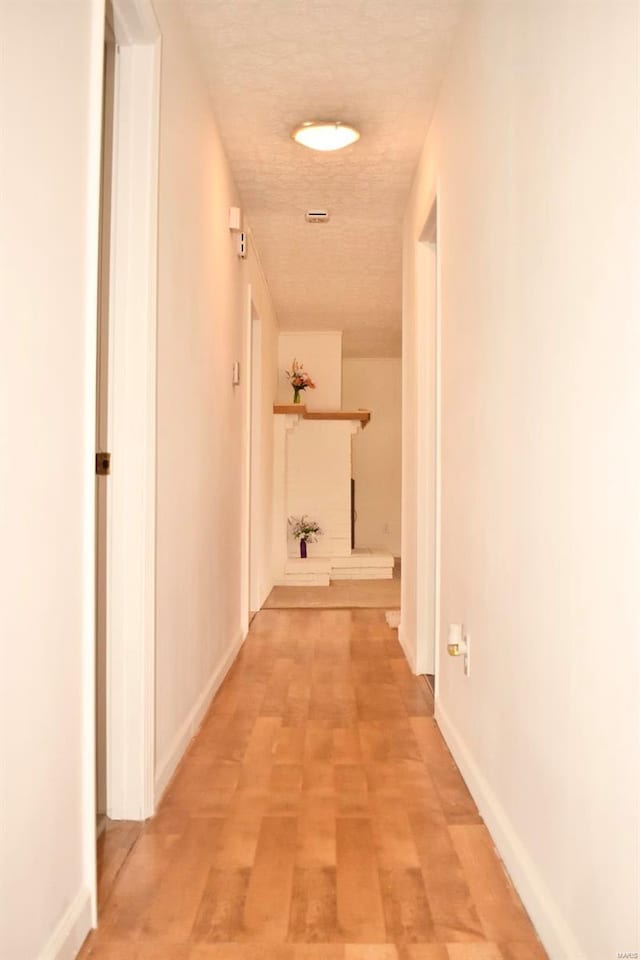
{"type": "Point", "coordinates": [251, 386]}
{"type": "Point", "coordinates": [131, 496]}
{"type": "Point", "coordinates": [131, 504]}
{"type": "Point", "coordinates": [102, 439]}
{"type": "Point", "coordinates": [255, 462]}
{"type": "Point", "coordinates": [428, 459]}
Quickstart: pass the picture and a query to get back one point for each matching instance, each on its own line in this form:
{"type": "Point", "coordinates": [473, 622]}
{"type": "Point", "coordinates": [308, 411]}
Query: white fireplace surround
{"type": "Point", "coordinates": [312, 476]}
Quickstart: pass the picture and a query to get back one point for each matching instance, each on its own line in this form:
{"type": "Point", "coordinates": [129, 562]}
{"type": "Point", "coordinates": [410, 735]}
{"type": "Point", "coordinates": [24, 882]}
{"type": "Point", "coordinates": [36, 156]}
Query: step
{"type": "Point", "coordinates": [363, 558]}
{"type": "Point", "coordinates": [303, 580]}
{"type": "Point", "coordinates": [296, 565]}
{"type": "Point", "coordinates": [362, 573]}
{"type": "Point", "coordinates": [311, 572]}
{"type": "Point", "coordinates": [362, 564]}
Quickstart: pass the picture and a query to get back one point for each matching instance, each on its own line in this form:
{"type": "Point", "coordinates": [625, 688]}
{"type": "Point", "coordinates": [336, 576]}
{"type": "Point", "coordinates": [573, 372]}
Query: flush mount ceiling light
{"type": "Point", "coordinates": [325, 134]}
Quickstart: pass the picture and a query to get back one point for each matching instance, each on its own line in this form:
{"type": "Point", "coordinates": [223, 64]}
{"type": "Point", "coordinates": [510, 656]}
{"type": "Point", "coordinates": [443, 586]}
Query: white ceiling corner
{"type": "Point", "coordinates": [377, 64]}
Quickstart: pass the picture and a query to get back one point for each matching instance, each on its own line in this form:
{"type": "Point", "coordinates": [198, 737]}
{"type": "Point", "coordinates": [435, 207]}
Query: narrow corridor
{"type": "Point", "coordinates": [317, 816]}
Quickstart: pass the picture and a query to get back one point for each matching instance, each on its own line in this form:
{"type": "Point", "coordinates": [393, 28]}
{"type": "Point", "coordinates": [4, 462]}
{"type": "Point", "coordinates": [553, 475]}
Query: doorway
{"type": "Point", "coordinates": [121, 781]}
{"type": "Point", "coordinates": [428, 474]}
{"type": "Point", "coordinates": [253, 512]}
{"type": "Point", "coordinates": [255, 470]}
{"type": "Point", "coordinates": [432, 321]}
{"type": "Point", "coordinates": [102, 424]}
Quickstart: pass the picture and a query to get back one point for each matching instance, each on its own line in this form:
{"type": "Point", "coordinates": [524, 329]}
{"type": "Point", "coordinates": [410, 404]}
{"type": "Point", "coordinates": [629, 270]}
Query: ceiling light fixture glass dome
{"type": "Point", "coordinates": [325, 134]}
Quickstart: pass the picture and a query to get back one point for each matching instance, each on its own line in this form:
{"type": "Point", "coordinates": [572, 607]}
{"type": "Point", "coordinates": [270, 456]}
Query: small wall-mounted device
{"type": "Point", "coordinates": [316, 216]}
{"type": "Point", "coordinates": [459, 645]}
{"type": "Point", "coordinates": [242, 246]}
{"type": "Point", "coordinates": [235, 376]}
{"type": "Point", "coordinates": [235, 218]}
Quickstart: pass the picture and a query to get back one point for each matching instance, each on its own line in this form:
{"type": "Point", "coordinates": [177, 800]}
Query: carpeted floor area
{"type": "Point", "coordinates": [340, 594]}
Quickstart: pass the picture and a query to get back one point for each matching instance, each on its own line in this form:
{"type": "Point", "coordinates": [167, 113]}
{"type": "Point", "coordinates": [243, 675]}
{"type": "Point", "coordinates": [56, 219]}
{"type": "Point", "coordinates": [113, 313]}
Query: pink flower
{"type": "Point", "coordinates": [299, 378]}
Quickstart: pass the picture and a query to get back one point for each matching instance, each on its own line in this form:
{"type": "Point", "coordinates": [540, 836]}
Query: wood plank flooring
{"type": "Point", "coordinates": [317, 816]}
{"type": "Point", "coordinates": [115, 842]}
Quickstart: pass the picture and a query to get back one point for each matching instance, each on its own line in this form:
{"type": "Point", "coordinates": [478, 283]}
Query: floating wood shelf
{"type": "Point", "coordinates": [362, 415]}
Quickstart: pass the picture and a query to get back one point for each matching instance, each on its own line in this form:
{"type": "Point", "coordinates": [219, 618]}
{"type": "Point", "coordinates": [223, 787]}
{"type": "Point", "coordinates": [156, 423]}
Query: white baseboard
{"type": "Point", "coordinates": [71, 931]}
{"type": "Point", "coordinates": [266, 590]}
{"type": "Point", "coordinates": [408, 653]}
{"type": "Point", "coordinates": [168, 764]}
{"type": "Point", "coordinates": [558, 940]}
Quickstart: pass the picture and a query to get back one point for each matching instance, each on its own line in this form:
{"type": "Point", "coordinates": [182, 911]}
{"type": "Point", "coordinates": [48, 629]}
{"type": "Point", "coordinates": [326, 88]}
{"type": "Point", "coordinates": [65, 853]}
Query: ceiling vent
{"type": "Point", "coordinates": [316, 216]}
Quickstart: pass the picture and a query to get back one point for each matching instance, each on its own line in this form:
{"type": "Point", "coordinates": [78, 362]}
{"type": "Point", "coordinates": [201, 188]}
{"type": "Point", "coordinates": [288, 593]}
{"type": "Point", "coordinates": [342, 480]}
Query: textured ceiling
{"type": "Point", "coordinates": [377, 64]}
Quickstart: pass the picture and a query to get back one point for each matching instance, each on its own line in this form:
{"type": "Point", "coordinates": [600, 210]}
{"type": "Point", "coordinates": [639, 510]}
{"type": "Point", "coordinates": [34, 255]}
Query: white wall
{"type": "Point", "coordinates": [376, 385]}
{"type": "Point", "coordinates": [321, 355]}
{"type": "Point", "coordinates": [534, 154]}
{"type": "Point", "coordinates": [49, 167]}
{"type": "Point", "coordinates": [202, 312]}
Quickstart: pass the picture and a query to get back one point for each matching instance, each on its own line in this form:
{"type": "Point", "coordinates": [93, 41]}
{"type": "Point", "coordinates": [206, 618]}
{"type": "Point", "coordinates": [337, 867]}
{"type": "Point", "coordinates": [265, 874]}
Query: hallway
{"type": "Point", "coordinates": [316, 816]}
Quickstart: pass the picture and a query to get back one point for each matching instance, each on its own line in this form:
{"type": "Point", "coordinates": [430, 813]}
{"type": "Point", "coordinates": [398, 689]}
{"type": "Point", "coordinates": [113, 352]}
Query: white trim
{"type": "Point", "coordinates": [257, 595]}
{"type": "Point", "coordinates": [245, 519]}
{"type": "Point", "coordinates": [420, 511]}
{"type": "Point", "coordinates": [558, 940]}
{"type": "Point", "coordinates": [426, 496]}
{"type": "Point", "coordinates": [421, 607]}
{"type": "Point", "coordinates": [407, 650]}
{"type": "Point", "coordinates": [150, 446]}
{"type": "Point", "coordinates": [94, 158]}
{"type": "Point", "coordinates": [173, 755]}
{"type": "Point", "coordinates": [437, 465]}
{"type": "Point", "coordinates": [132, 416]}
{"type": "Point", "coordinates": [423, 506]}
{"type": "Point", "coordinates": [72, 930]}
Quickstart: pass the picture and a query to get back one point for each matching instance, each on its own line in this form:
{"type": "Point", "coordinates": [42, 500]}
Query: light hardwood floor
{"type": "Point", "coordinates": [316, 816]}
{"type": "Point", "coordinates": [115, 843]}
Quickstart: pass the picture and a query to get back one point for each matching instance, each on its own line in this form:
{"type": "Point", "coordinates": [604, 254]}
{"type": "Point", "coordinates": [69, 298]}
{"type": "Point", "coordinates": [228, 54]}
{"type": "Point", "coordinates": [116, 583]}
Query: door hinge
{"type": "Point", "coordinates": [103, 464]}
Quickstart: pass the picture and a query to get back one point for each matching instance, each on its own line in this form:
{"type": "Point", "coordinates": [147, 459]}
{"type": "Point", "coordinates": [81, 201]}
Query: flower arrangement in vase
{"type": "Point", "coordinates": [305, 530]}
{"type": "Point", "coordinates": [299, 380]}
